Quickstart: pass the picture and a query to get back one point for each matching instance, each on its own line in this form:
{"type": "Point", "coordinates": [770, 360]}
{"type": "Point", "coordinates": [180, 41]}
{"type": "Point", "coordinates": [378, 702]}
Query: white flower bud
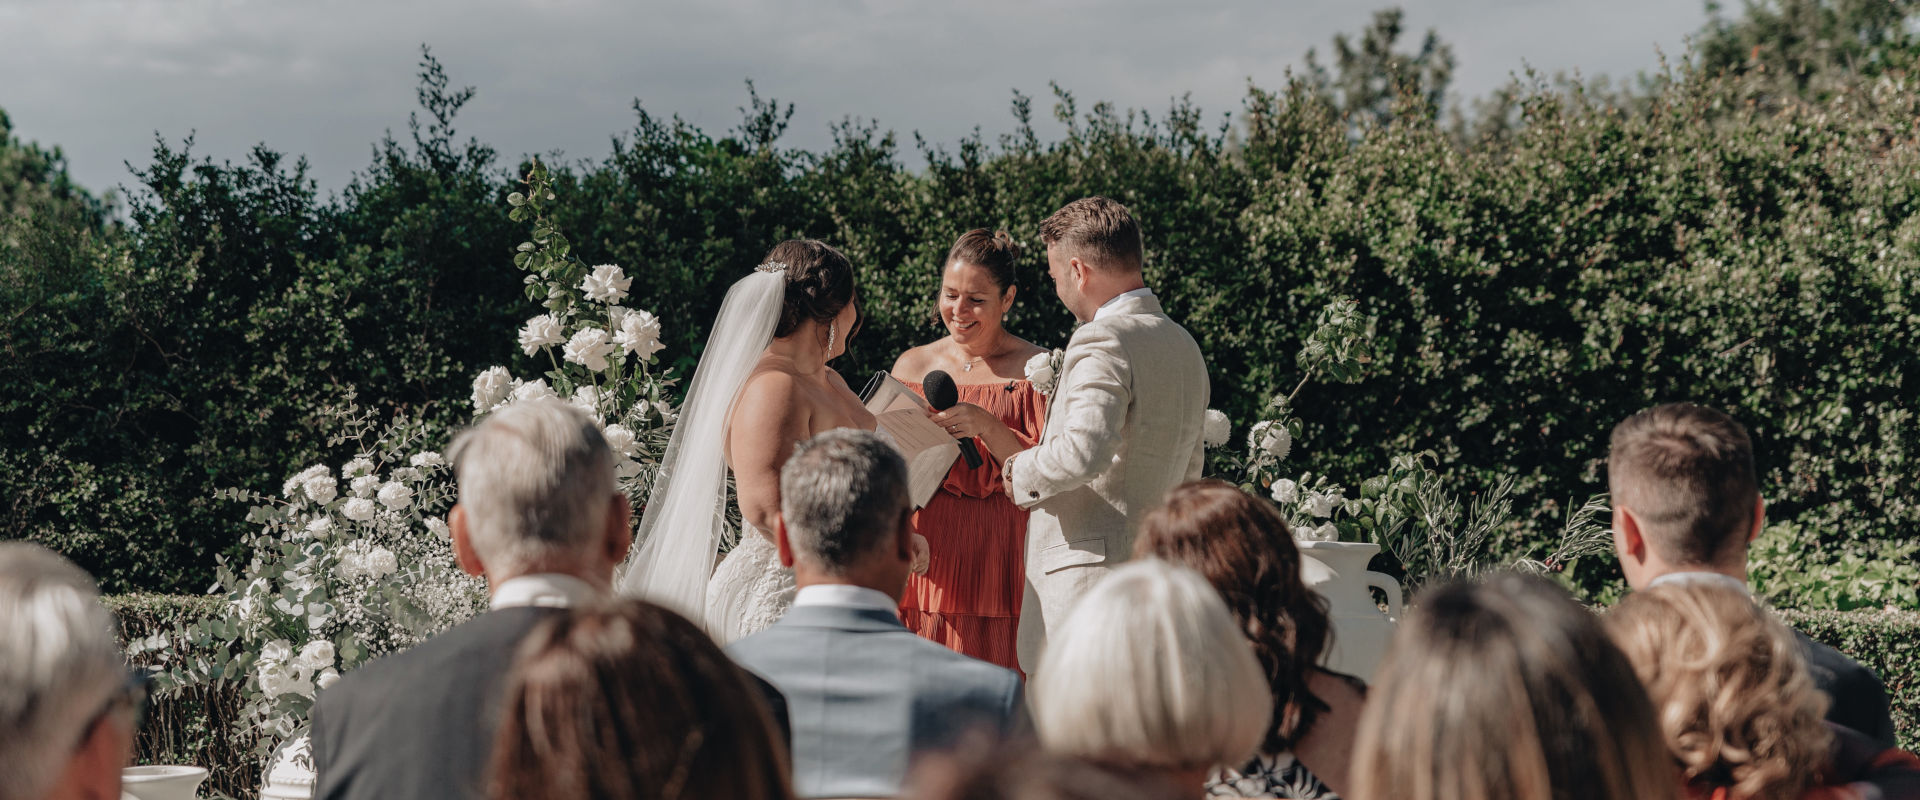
{"type": "Point", "coordinates": [1217, 429]}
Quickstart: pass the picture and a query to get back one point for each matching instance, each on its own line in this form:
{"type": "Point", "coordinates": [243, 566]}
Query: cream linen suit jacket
{"type": "Point", "coordinates": [1123, 428]}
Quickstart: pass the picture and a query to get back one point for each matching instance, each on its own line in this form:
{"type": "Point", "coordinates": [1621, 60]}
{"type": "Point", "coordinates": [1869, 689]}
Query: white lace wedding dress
{"type": "Point", "coordinates": [749, 590]}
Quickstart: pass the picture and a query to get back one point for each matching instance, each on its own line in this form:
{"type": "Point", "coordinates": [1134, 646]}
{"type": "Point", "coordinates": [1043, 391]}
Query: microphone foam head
{"type": "Point", "coordinates": [942, 394]}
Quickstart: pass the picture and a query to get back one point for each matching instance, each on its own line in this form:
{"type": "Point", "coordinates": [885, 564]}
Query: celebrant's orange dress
{"type": "Point", "coordinates": [969, 600]}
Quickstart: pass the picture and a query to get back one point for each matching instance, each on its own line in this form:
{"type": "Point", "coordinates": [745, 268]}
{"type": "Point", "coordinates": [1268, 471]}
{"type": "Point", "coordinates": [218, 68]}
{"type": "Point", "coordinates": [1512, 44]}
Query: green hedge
{"type": "Point", "coordinates": [1888, 642]}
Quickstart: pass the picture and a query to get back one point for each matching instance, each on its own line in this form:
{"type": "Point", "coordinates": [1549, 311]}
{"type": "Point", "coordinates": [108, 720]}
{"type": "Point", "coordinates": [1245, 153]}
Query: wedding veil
{"type": "Point", "coordinates": [685, 516]}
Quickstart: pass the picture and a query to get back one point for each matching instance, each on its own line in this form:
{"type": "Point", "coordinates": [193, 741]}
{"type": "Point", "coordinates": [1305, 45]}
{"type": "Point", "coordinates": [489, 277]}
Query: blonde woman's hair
{"type": "Point", "coordinates": [1735, 700]}
{"type": "Point", "coordinates": [1507, 690]}
{"type": "Point", "coordinates": [1150, 670]}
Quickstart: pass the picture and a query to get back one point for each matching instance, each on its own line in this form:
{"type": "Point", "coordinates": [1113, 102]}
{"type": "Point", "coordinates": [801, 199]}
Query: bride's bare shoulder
{"type": "Point", "coordinates": [769, 385]}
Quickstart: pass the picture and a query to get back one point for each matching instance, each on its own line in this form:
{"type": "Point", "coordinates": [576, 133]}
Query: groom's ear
{"type": "Point", "coordinates": [1081, 273]}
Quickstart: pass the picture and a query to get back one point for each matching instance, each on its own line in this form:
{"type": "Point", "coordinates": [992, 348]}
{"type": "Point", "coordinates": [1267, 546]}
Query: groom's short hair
{"type": "Point", "coordinates": [1687, 473]}
{"type": "Point", "coordinates": [843, 494]}
{"type": "Point", "coordinates": [1098, 231]}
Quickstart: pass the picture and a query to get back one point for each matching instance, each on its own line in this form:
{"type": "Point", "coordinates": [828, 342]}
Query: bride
{"type": "Point", "coordinates": [762, 386]}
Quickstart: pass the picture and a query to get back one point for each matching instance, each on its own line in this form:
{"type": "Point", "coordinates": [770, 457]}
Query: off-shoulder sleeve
{"type": "Point", "coordinates": [1014, 403]}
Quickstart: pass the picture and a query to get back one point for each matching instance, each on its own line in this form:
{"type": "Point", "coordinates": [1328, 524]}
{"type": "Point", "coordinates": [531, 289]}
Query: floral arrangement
{"type": "Point", "coordinates": [354, 563]}
{"type": "Point", "coordinates": [1043, 370]}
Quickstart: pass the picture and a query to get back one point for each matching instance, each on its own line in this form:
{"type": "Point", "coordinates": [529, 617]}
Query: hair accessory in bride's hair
{"type": "Point", "coordinates": [775, 266]}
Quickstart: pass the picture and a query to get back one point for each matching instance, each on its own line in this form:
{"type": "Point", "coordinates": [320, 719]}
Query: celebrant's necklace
{"type": "Point", "coordinates": [968, 367]}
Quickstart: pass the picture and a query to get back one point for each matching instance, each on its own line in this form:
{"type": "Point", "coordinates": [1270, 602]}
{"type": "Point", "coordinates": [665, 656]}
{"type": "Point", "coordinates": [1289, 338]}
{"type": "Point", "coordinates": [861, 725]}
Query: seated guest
{"type": "Point", "coordinates": [630, 701]}
{"type": "Point", "coordinates": [540, 518]}
{"type": "Point", "coordinates": [1740, 713]}
{"type": "Point", "coordinates": [69, 707]}
{"type": "Point", "coordinates": [1243, 546]}
{"type": "Point", "coordinates": [1009, 772]}
{"type": "Point", "coordinates": [1507, 690]}
{"type": "Point", "coordinates": [865, 692]}
{"type": "Point", "coordinates": [1686, 503]}
{"type": "Point", "coordinates": [1151, 673]}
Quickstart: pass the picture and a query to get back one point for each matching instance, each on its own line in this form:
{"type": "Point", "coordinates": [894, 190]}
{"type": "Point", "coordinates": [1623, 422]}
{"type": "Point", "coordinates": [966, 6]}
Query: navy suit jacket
{"type": "Point", "coordinates": [865, 695]}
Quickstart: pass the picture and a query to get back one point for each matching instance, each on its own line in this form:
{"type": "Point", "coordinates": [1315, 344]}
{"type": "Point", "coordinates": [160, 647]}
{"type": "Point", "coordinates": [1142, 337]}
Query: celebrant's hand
{"type": "Point", "coordinates": [966, 421]}
{"type": "Point", "coordinates": [922, 555]}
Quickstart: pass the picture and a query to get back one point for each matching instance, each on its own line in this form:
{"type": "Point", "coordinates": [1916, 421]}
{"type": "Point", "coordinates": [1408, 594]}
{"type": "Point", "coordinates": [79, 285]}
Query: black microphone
{"type": "Point", "coordinates": [942, 395]}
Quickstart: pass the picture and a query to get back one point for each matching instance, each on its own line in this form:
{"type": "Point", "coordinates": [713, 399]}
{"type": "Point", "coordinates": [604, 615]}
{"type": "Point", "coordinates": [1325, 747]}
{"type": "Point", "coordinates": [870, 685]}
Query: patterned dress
{"type": "Point", "coordinates": [969, 600]}
{"type": "Point", "coordinates": [1278, 775]}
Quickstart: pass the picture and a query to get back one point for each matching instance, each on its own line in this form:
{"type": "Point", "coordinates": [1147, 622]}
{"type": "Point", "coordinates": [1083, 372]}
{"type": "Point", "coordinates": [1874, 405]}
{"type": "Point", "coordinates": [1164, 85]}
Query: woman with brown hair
{"type": "Point", "coordinates": [1507, 690]}
{"type": "Point", "coordinates": [1242, 545]}
{"type": "Point", "coordinates": [630, 701]}
{"type": "Point", "coordinates": [1738, 707]}
{"type": "Point", "coordinates": [969, 598]}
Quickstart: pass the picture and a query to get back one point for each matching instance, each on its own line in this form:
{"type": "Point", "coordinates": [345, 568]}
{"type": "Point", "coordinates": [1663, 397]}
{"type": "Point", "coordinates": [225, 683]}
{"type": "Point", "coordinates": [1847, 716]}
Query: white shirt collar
{"type": "Point", "coordinates": [1700, 579]}
{"type": "Point", "coordinates": [1106, 308]}
{"type": "Point", "coordinates": [546, 589]}
{"type": "Point", "coordinates": [845, 596]}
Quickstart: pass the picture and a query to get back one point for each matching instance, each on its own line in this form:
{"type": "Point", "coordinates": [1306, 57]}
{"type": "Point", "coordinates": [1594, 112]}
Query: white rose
{"type": "Point", "coordinates": [404, 475]}
{"type": "Point", "coordinates": [320, 527]}
{"type": "Point", "coordinates": [1327, 533]}
{"type": "Point", "coordinates": [381, 562]}
{"type": "Point", "coordinates": [322, 489]}
{"type": "Point", "coordinates": [302, 478]}
{"type": "Point", "coordinates": [1285, 492]}
{"type": "Point", "coordinates": [365, 486]}
{"type": "Point", "coordinates": [275, 679]}
{"type": "Point", "coordinates": [1041, 374]}
{"type": "Point", "coordinates": [536, 389]}
{"type": "Point", "coordinates": [427, 459]}
{"type": "Point", "coordinates": [589, 348]}
{"type": "Point", "coordinates": [639, 334]}
{"type": "Point", "coordinates": [619, 439]}
{"type": "Point", "coordinates": [1324, 504]}
{"type": "Point", "coordinates": [616, 315]}
{"type": "Point", "coordinates": [326, 678]}
{"type": "Point", "coordinates": [1272, 438]}
{"type": "Point", "coordinates": [395, 495]}
{"type": "Point", "coordinates": [357, 467]}
{"type": "Point", "coordinates": [317, 655]}
{"type": "Point", "coordinates": [439, 528]}
{"type": "Point", "coordinates": [539, 332]}
{"type": "Point", "coordinates": [490, 388]}
{"type": "Point", "coordinates": [665, 410]}
{"type": "Point", "coordinates": [1217, 430]}
{"type": "Point", "coordinates": [607, 284]}
{"type": "Point", "coordinates": [587, 398]}
{"type": "Point", "coordinates": [359, 509]}
{"type": "Point", "coordinates": [278, 651]}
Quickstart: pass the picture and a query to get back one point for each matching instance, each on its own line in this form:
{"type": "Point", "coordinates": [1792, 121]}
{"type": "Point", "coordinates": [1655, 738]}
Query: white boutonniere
{"type": "Point", "coordinates": [1043, 371]}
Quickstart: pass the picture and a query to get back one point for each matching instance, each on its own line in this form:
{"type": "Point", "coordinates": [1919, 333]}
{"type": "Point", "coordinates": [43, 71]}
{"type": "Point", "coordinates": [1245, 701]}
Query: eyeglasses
{"type": "Point", "coordinates": [134, 692]}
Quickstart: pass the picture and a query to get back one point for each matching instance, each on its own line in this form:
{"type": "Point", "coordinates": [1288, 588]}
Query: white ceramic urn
{"type": "Point", "coordinates": [1338, 571]}
{"type": "Point", "coordinates": [163, 782]}
{"type": "Point", "coordinates": [289, 773]}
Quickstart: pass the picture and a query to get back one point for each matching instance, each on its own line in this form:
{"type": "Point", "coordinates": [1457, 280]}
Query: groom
{"type": "Point", "coordinates": [1124, 423]}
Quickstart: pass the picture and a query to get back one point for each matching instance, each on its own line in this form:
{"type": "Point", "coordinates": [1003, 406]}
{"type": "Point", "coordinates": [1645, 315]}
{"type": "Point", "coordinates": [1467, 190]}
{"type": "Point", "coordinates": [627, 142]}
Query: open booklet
{"type": "Point", "coordinates": [902, 417]}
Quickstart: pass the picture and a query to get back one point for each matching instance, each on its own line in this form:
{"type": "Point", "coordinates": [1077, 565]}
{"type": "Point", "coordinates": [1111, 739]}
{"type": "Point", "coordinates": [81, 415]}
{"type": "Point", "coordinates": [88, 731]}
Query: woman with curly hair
{"type": "Point", "coordinates": [1242, 545]}
{"type": "Point", "coordinates": [1737, 706]}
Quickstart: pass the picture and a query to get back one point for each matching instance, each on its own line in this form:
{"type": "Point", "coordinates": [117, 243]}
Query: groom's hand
{"type": "Point", "coordinates": [922, 555]}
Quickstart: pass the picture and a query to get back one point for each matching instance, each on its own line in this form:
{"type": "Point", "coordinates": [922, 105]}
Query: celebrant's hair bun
{"type": "Point", "coordinates": [819, 283]}
{"type": "Point", "coordinates": [993, 251]}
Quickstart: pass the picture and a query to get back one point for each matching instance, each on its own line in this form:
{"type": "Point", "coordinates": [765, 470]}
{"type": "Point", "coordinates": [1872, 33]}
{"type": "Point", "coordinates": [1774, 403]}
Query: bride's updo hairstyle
{"type": "Point", "coordinates": [993, 251]}
{"type": "Point", "coordinates": [819, 284]}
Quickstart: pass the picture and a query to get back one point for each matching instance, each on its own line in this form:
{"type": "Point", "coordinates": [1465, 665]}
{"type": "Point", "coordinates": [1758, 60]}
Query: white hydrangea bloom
{"type": "Point", "coordinates": [317, 655]}
{"type": "Point", "coordinates": [639, 334]}
{"type": "Point", "coordinates": [1272, 438]}
{"type": "Point", "coordinates": [320, 527]}
{"type": "Point", "coordinates": [607, 284]}
{"type": "Point", "coordinates": [589, 348]}
{"type": "Point", "coordinates": [322, 489]}
{"type": "Point", "coordinates": [536, 389]}
{"type": "Point", "coordinates": [1217, 430]}
{"type": "Point", "coordinates": [396, 496]}
{"type": "Point", "coordinates": [541, 331]}
{"type": "Point", "coordinates": [357, 467]}
{"type": "Point", "coordinates": [620, 439]}
{"type": "Point", "coordinates": [1285, 492]}
{"type": "Point", "coordinates": [439, 528]}
{"type": "Point", "coordinates": [426, 459]}
{"type": "Point", "coordinates": [365, 486]}
{"type": "Point", "coordinates": [359, 509]}
{"type": "Point", "coordinates": [491, 388]}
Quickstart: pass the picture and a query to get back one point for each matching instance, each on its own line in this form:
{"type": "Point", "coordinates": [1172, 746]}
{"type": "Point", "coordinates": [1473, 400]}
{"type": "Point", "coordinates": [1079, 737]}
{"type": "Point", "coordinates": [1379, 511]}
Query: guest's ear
{"type": "Point", "coordinates": [619, 533]}
{"type": "Point", "coordinates": [780, 540]}
{"type": "Point", "coordinates": [1759, 518]}
{"type": "Point", "coordinates": [1627, 537]}
{"type": "Point", "coordinates": [463, 552]}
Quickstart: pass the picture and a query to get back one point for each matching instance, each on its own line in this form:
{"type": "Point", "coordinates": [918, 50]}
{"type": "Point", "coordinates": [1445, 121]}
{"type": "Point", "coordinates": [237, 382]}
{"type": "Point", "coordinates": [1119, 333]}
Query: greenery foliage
{"type": "Point", "coordinates": [1528, 290]}
{"type": "Point", "coordinates": [1887, 642]}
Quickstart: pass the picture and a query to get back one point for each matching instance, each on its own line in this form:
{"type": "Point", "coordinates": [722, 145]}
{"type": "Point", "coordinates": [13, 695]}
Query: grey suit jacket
{"type": "Point", "coordinates": [865, 694]}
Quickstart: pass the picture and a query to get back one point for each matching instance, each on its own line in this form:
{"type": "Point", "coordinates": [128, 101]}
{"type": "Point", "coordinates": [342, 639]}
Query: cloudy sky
{"type": "Point", "coordinates": [326, 78]}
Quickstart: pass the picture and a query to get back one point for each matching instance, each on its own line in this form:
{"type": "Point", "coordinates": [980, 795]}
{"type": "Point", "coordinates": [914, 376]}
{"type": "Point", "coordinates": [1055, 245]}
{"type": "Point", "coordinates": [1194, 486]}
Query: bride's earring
{"type": "Point", "coordinates": [832, 331]}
